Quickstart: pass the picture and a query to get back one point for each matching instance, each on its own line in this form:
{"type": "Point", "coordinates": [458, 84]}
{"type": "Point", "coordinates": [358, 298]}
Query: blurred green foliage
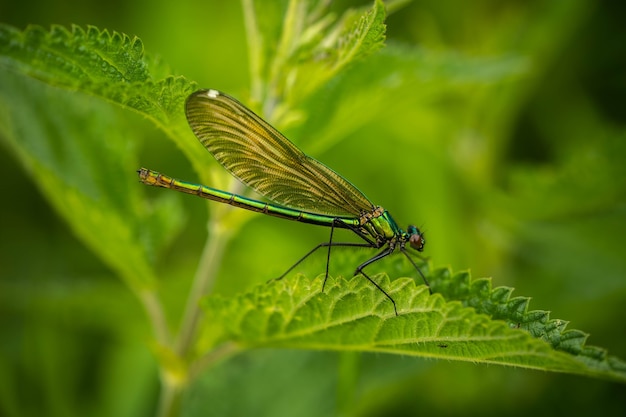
{"type": "Point", "coordinates": [498, 127]}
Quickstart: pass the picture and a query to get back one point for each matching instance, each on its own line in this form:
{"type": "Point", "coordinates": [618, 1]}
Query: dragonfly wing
{"type": "Point", "coordinates": [264, 159]}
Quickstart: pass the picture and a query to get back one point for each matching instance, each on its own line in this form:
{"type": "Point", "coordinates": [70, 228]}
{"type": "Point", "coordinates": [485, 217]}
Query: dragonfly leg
{"type": "Point", "coordinates": [379, 256]}
{"type": "Point", "coordinates": [328, 244]}
{"type": "Point", "coordinates": [309, 253]}
{"type": "Point", "coordinates": [417, 268]}
{"type": "Point", "coordinates": [321, 245]}
{"type": "Point", "coordinates": [372, 243]}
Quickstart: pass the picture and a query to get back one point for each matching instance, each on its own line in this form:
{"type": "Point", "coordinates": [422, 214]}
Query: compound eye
{"type": "Point", "coordinates": [416, 239]}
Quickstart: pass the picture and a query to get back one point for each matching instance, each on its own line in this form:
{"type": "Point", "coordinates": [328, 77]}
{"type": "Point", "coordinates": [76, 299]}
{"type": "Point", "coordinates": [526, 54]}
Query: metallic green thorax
{"type": "Point", "coordinates": [383, 228]}
{"type": "Point", "coordinates": [380, 224]}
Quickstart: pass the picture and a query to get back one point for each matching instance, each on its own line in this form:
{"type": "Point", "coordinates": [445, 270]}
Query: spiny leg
{"type": "Point", "coordinates": [321, 245]}
{"type": "Point", "coordinates": [328, 244]}
{"type": "Point", "coordinates": [395, 309]}
{"type": "Point", "coordinates": [417, 268]}
{"type": "Point", "coordinates": [369, 244]}
{"type": "Point", "coordinates": [379, 256]}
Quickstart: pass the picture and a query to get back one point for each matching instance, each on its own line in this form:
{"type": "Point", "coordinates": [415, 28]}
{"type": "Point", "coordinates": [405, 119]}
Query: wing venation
{"type": "Point", "coordinates": [262, 158]}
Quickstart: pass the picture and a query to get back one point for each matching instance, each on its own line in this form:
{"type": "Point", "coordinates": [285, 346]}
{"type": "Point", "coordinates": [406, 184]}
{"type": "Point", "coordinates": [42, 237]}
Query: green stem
{"type": "Point", "coordinates": [172, 387]}
{"type": "Point", "coordinates": [205, 276]}
{"type": "Point", "coordinates": [255, 50]}
{"type": "Point", "coordinates": [218, 354]}
{"type": "Point", "coordinates": [169, 399]}
{"type": "Point", "coordinates": [154, 311]}
{"type": "Point", "coordinates": [217, 240]}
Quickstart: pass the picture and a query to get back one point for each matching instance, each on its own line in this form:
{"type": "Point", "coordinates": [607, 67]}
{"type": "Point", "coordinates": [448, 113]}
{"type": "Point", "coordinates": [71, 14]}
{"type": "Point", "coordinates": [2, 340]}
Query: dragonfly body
{"type": "Point", "coordinates": [299, 187]}
{"type": "Point", "coordinates": [157, 179]}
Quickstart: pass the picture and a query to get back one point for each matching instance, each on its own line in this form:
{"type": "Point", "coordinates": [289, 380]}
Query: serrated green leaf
{"type": "Point", "coordinates": [365, 36]}
{"type": "Point", "coordinates": [354, 36]}
{"type": "Point", "coordinates": [69, 57]}
{"type": "Point", "coordinates": [353, 315]}
{"type": "Point", "coordinates": [79, 151]}
{"type": "Point", "coordinates": [500, 305]}
{"type": "Point", "coordinates": [108, 65]}
{"type": "Point", "coordinates": [308, 48]}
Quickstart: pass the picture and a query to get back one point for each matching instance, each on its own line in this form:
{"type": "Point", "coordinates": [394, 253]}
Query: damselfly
{"type": "Point", "coordinates": [298, 187]}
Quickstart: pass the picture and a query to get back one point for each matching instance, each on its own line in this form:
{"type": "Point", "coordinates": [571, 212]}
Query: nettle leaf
{"type": "Point", "coordinates": [499, 304]}
{"type": "Point", "coordinates": [60, 93]}
{"type": "Point", "coordinates": [308, 47]}
{"type": "Point", "coordinates": [78, 152]}
{"type": "Point", "coordinates": [365, 36]}
{"type": "Point", "coordinates": [357, 34]}
{"type": "Point", "coordinates": [90, 59]}
{"type": "Point", "coordinates": [473, 323]}
{"type": "Point", "coordinates": [69, 57]}
{"type": "Point", "coordinates": [108, 65]}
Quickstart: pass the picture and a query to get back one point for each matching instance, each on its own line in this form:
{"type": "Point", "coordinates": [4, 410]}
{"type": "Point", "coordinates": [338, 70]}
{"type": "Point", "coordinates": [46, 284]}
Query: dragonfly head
{"type": "Point", "coordinates": [416, 238]}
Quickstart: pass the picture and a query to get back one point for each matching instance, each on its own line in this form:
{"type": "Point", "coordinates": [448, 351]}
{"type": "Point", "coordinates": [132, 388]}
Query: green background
{"type": "Point", "coordinates": [519, 177]}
